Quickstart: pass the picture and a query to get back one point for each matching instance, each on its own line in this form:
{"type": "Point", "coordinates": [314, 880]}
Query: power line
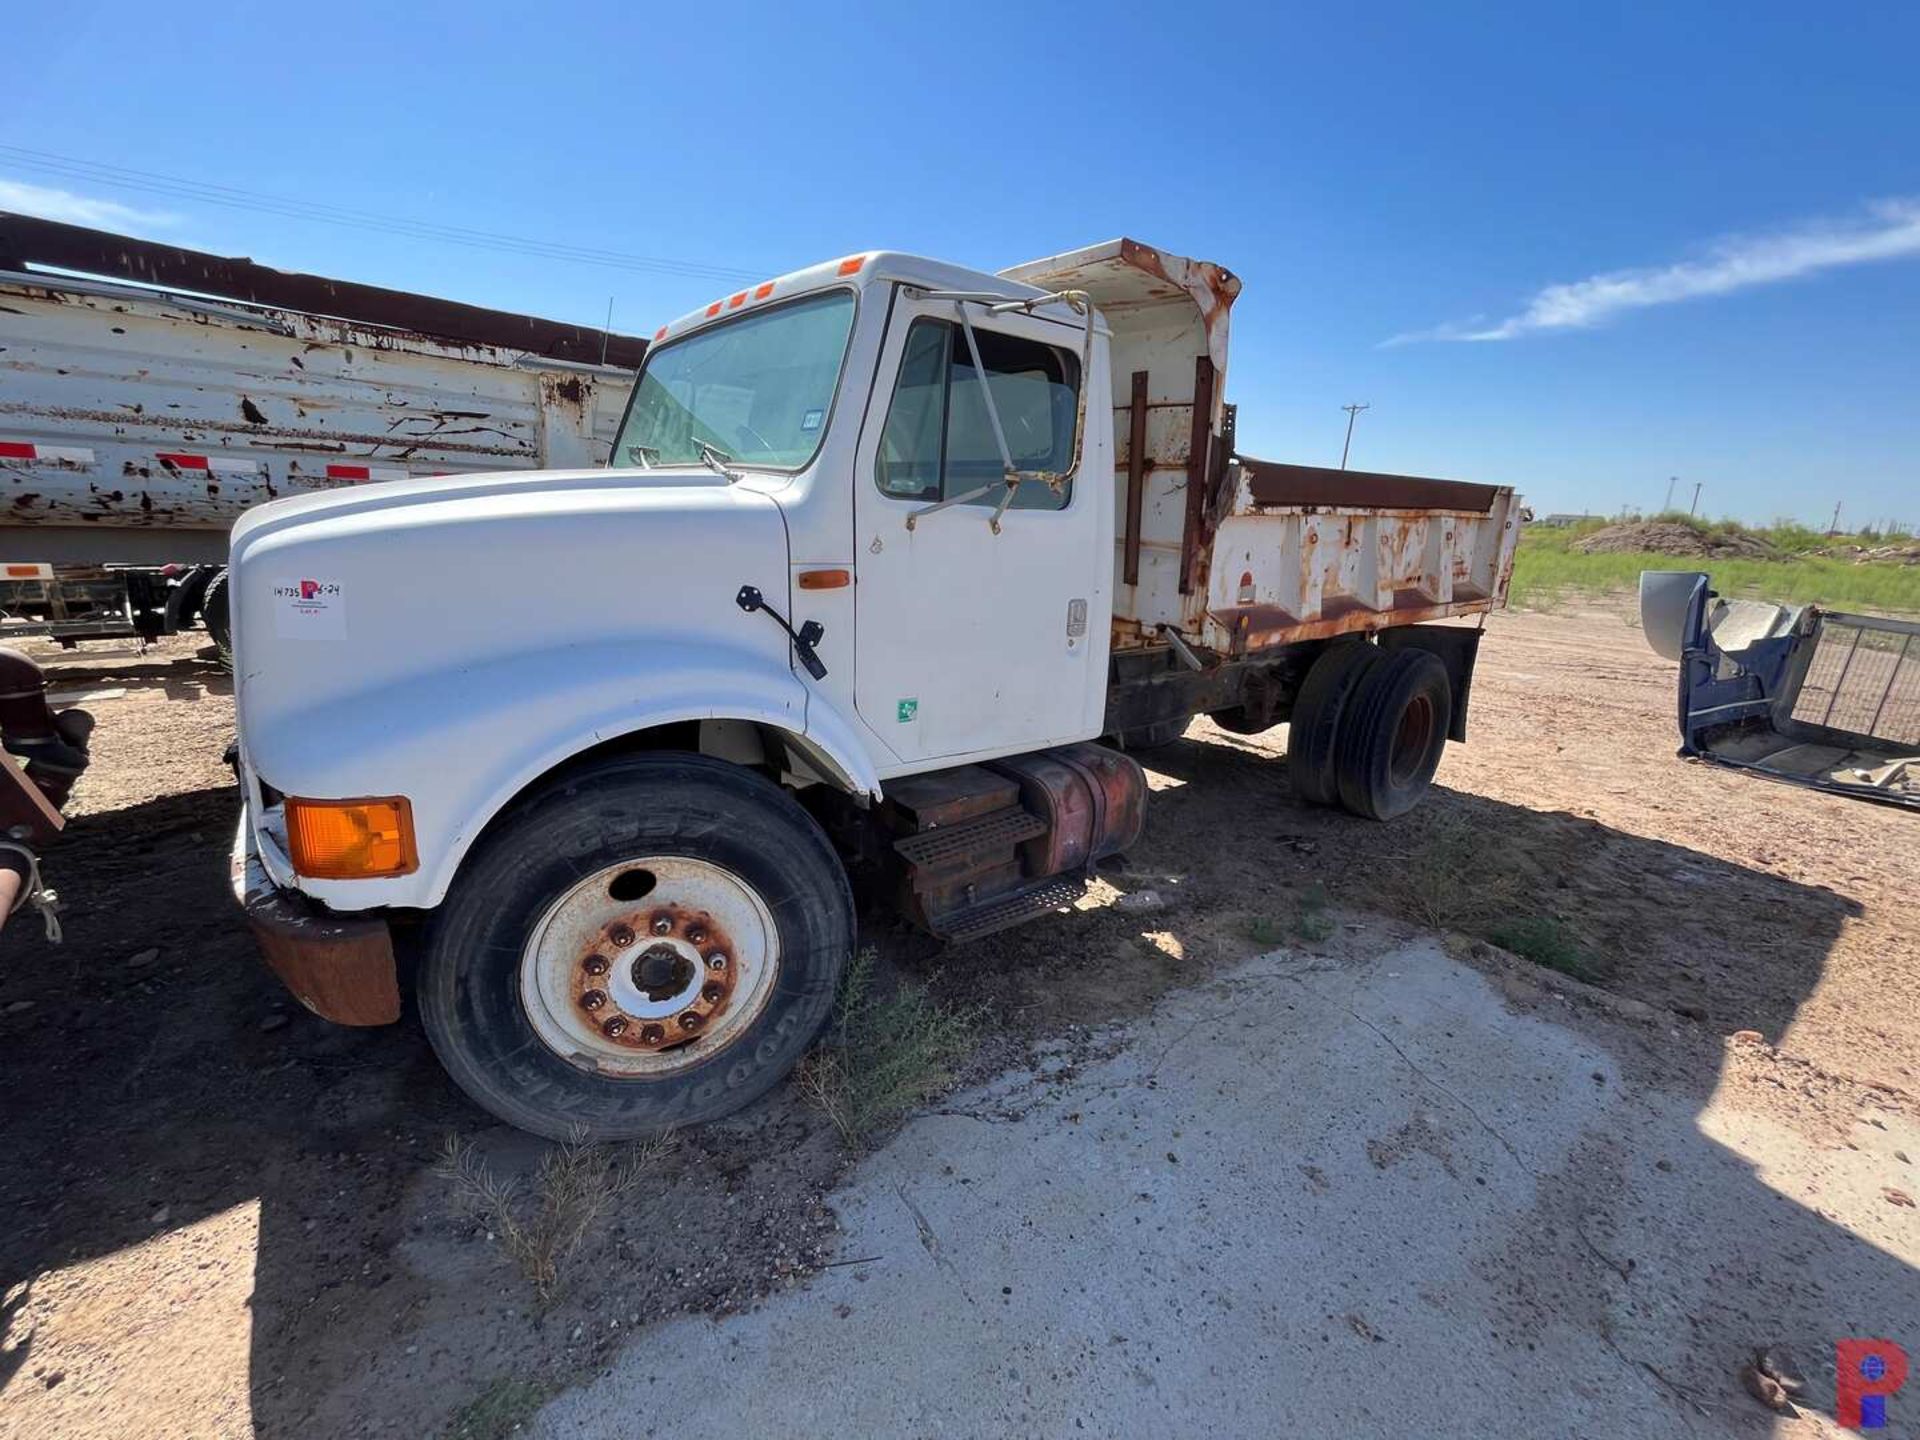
{"type": "Point", "coordinates": [232, 197]}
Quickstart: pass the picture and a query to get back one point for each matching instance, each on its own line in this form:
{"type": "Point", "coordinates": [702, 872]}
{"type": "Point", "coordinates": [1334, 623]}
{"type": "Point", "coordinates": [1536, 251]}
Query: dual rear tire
{"type": "Point", "coordinates": [1368, 728]}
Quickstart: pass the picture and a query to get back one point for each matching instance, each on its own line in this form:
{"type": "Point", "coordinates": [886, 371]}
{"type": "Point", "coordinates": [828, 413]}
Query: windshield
{"type": "Point", "coordinates": [757, 389]}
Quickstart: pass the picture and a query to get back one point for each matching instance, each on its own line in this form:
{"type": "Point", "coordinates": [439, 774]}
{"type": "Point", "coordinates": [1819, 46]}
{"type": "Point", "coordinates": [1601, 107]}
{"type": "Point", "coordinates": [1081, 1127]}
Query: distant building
{"type": "Point", "coordinates": [1563, 520]}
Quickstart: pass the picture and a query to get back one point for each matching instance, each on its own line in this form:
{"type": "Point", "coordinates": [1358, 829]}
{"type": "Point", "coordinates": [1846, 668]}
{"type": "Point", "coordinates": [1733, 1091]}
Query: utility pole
{"type": "Point", "coordinates": [1353, 412]}
{"type": "Point", "coordinates": [1691, 509]}
{"type": "Point", "coordinates": [1672, 480]}
{"type": "Point", "coordinates": [1833, 526]}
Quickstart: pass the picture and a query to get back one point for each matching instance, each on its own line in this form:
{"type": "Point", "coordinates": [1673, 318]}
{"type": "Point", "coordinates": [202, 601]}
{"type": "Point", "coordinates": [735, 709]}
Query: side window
{"type": "Point", "coordinates": [938, 441]}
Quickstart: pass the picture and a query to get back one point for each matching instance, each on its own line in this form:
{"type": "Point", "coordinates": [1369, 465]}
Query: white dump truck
{"type": "Point", "coordinates": [149, 395]}
{"type": "Point", "coordinates": [885, 546]}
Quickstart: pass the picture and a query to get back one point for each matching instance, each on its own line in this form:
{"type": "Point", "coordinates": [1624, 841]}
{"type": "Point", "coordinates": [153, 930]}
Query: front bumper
{"type": "Point", "coordinates": [339, 966]}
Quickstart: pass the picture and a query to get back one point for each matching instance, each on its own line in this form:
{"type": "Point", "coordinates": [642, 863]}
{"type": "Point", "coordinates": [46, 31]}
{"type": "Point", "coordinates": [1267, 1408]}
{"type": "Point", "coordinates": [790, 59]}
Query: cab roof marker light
{"type": "Point", "coordinates": [761, 291]}
{"type": "Point", "coordinates": [851, 265]}
{"type": "Point", "coordinates": [737, 301]}
{"type": "Point", "coordinates": [660, 334]}
{"type": "Point", "coordinates": [713, 309]}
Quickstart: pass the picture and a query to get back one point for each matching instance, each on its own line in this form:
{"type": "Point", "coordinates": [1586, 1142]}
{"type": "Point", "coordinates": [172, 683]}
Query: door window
{"type": "Point", "coordinates": [938, 441]}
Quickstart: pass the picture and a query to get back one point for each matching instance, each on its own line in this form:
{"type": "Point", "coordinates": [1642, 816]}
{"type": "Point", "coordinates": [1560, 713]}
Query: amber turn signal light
{"type": "Point", "coordinates": [351, 839]}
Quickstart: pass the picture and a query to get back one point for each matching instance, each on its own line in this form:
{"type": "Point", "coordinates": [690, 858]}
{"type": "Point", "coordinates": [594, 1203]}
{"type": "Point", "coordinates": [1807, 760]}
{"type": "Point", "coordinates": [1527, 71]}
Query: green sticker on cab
{"type": "Point", "coordinates": [908, 709]}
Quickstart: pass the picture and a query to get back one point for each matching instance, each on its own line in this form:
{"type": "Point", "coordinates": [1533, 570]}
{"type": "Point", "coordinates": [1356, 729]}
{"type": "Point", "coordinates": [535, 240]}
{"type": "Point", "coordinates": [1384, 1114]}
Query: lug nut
{"type": "Point", "coordinates": [614, 1028]}
{"type": "Point", "coordinates": [713, 994]}
{"type": "Point", "coordinates": [696, 935]}
{"type": "Point", "coordinates": [653, 1034]}
{"type": "Point", "coordinates": [621, 936]}
{"type": "Point", "coordinates": [716, 961]}
{"type": "Point", "coordinates": [596, 965]}
{"type": "Point", "coordinates": [663, 924]}
{"type": "Point", "coordinates": [690, 1020]}
{"type": "Point", "coordinates": [593, 999]}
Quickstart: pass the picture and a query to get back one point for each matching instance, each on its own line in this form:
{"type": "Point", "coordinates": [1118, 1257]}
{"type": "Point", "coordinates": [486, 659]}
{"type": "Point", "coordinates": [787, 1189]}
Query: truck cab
{"type": "Point", "coordinates": [878, 552]}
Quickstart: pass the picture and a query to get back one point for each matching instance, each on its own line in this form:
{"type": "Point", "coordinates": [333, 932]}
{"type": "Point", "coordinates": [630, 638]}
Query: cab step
{"type": "Point", "coordinates": [930, 849]}
{"type": "Point", "coordinates": [1006, 911]}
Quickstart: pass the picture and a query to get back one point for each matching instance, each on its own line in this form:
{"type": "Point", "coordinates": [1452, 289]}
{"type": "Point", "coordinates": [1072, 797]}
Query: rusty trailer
{"type": "Point", "coordinates": [148, 405]}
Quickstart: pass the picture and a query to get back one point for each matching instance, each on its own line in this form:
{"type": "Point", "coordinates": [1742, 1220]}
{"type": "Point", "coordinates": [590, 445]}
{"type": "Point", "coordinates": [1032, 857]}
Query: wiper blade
{"type": "Point", "coordinates": [716, 460]}
{"type": "Point", "coordinates": [647, 455]}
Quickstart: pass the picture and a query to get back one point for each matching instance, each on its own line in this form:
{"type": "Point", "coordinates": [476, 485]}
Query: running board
{"type": "Point", "coordinates": [1008, 910]}
{"type": "Point", "coordinates": [931, 848]}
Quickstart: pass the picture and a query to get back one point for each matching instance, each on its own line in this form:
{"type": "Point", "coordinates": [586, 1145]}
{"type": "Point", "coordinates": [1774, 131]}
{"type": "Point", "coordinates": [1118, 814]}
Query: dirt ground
{"type": "Point", "coordinates": [220, 1212]}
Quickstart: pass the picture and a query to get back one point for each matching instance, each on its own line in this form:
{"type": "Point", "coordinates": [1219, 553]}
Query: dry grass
{"type": "Point", "coordinates": [1461, 878]}
{"type": "Point", "coordinates": [1455, 879]}
{"type": "Point", "coordinates": [540, 1226]}
{"type": "Point", "coordinates": [882, 1055]}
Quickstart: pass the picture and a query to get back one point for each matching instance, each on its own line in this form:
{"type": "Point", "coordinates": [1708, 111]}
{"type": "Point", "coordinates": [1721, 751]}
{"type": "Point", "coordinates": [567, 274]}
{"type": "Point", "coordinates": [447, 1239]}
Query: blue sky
{"type": "Point", "coordinates": [1727, 197]}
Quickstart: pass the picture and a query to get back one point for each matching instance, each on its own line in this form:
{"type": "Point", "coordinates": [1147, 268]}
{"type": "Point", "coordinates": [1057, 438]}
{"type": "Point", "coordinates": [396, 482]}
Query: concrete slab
{"type": "Point", "coordinates": [1356, 1197]}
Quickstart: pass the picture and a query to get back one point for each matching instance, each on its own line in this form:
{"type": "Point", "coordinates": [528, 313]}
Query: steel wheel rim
{"type": "Point", "coordinates": [1412, 737]}
{"type": "Point", "coordinates": [649, 966]}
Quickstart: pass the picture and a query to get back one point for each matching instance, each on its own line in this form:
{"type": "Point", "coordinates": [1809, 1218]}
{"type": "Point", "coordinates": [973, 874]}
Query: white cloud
{"type": "Point", "coordinates": [1890, 230]}
{"type": "Point", "coordinates": [51, 204]}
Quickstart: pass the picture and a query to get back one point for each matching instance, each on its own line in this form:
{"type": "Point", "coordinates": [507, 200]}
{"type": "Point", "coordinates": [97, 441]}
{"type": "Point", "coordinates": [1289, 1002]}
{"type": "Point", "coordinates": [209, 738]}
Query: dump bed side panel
{"type": "Point", "coordinates": [1303, 553]}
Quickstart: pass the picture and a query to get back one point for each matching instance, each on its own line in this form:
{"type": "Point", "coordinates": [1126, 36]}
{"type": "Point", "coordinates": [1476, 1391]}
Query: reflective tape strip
{"type": "Point", "coordinates": [59, 454]}
{"type": "Point", "coordinates": [219, 464]}
{"type": "Point", "coordinates": [367, 474]}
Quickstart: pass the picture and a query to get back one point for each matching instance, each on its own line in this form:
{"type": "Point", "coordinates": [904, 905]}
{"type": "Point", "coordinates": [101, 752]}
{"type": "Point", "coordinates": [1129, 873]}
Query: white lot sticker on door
{"type": "Point", "coordinates": [309, 609]}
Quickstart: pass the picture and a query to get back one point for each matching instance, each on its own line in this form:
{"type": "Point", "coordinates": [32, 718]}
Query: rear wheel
{"type": "Point", "coordinates": [215, 614]}
{"type": "Point", "coordinates": [1393, 734]}
{"type": "Point", "coordinates": [1314, 730]}
{"type": "Point", "coordinates": [652, 941]}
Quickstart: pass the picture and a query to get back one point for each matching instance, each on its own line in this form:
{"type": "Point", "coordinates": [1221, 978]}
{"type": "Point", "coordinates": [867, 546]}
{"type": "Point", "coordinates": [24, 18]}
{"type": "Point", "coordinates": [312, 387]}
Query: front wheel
{"type": "Point", "coordinates": [651, 941]}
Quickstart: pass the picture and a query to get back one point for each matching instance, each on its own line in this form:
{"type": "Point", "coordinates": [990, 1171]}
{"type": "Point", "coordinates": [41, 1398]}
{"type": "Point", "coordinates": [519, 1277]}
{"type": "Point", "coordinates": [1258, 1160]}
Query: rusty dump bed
{"type": "Point", "coordinates": [137, 423]}
{"type": "Point", "coordinates": [1239, 555]}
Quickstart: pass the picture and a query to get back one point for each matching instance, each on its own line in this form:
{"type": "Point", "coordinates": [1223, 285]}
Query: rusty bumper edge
{"type": "Point", "coordinates": [339, 966]}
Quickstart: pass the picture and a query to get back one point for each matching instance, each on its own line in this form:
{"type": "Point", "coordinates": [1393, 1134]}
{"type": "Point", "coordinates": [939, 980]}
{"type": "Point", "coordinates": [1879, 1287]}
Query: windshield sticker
{"type": "Point", "coordinates": [309, 609]}
{"type": "Point", "coordinates": [811, 420]}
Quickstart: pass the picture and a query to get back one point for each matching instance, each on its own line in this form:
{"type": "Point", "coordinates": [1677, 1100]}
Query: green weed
{"type": "Point", "coordinates": [498, 1411]}
{"type": "Point", "coordinates": [1545, 941]}
{"type": "Point", "coordinates": [1311, 923]}
{"type": "Point", "coordinates": [1547, 571]}
{"type": "Point", "coordinates": [882, 1055]}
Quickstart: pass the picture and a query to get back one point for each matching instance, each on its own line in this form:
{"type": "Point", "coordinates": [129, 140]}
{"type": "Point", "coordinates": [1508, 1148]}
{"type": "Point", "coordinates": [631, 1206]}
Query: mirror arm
{"type": "Point", "coordinates": [1081, 303]}
{"type": "Point", "coordinates": [973, 494]}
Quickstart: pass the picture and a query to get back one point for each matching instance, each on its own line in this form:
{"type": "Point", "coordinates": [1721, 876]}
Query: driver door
{"type": "Point", "coordinates": [971, 643]}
